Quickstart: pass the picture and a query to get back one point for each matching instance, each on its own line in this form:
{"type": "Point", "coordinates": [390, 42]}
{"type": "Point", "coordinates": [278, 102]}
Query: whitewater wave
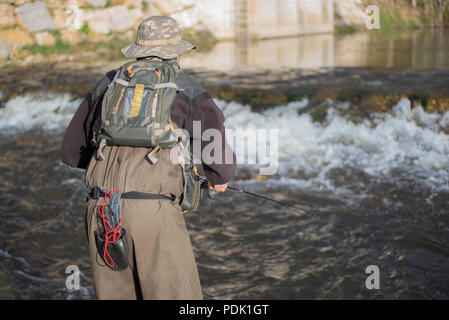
{"type": "Point", "coordinates": [406, 144]}
{"type": "Point", "coordinates": [40, 110]}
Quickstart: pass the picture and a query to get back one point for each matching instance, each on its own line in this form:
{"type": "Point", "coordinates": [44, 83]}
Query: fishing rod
{"type": "Point", "coordinates": [258, 196]}
{"type": "Point", "coordinates": [205, 184]}
{"type": "Point", "coordinates": [265, 198]}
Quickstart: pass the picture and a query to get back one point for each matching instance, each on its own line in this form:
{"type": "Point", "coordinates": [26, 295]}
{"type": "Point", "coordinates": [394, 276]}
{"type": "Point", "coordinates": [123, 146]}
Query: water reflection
{"type": "Point", "coordinates": [417, 50]}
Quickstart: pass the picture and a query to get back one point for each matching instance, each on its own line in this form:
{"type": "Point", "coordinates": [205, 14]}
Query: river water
{"type": "Point", "coordinates": [416, 50]}
{"type": "Point", "coordinates": [372, 192]}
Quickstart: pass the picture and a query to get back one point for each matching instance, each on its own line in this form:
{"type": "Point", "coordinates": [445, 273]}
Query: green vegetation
{"type": "Point", "coordinates": [110, 48]}
{"type": "Point", "coordinates": [116, 2]}
{"type": "Point", "coordinates": [107, 50]}
{"type": "Point", "coordinates": [402, 15]}
{"type": "Point", "coordinates": [203, 39]}
{"type": "Point", "coordinates": [319, 115]}
{"type": "Point", "coordinates": [259, 100]}
{"type": "Point", "coordinates": [392, 20]}
{"type": "Point", "coordinates": [341, 29]}
{"type": "Point", "coordinates": [59, 47]}
{"type": "Point", "coordinates": [414, 13]}
{"type": "Point", "coordinates": [433, 12]}
{"type": "Point", "coordinates": [364, 106]}
{"type": "Point", "coordinates": [85, 28]}
{"type": "Point", "coordinates": [13, 26]}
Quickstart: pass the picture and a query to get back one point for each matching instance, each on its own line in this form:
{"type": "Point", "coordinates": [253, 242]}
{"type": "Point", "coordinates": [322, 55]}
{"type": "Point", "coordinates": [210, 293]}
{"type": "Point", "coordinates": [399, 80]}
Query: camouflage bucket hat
{"type": "Point", "coordinates": [158, 36]}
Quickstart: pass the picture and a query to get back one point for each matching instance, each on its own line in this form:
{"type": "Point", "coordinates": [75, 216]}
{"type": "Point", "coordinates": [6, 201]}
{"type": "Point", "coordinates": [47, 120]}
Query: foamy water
{"type": "Point", "coordinates": [44, 110]}
{"type": "Point", "coordinates": [408, 141]}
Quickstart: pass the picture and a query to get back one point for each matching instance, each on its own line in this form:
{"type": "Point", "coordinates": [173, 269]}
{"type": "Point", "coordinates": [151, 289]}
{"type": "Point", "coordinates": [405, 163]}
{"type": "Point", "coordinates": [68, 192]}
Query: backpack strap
{"type": "Point", "coordinates": [167, 85]}
{"type": "Point", "coordinates": [156, 86]}
{"type": "Point", "coordinates": [121, 81]}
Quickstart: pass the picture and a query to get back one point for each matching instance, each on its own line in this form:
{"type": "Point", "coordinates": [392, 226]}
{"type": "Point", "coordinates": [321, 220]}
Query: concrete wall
{"type": "Point", "coordinates": [256, 19]}
{"type": "Point", "coordinates": [279, 18]}
{"type": "Point", "coordinates": [218, 16]}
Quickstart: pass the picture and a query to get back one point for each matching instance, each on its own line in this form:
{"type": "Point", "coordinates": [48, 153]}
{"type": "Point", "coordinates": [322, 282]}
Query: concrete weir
{"type": "Point", "coordinates": [281, 23]}
{"type": "Point", "coordinates": [255, 19]}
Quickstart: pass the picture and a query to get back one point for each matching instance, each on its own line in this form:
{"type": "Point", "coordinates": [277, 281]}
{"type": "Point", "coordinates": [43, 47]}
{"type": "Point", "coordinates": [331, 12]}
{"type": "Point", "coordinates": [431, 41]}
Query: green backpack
{"type": "Point", "coordinates": [136, 106]}
{"type": "Point", "coordinates": [136, 112]}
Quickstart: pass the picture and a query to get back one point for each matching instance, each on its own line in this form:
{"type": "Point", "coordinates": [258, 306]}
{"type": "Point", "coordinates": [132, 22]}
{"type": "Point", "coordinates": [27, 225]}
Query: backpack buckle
{"type": "Point", "coordinates": [95, 193]}
{"type": "Point", "coordinates": [151, 156]}
{"type": "Point", "coordinates": [99, 153]}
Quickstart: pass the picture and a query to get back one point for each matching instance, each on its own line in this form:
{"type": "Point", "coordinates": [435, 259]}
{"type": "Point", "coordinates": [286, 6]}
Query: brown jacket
{"type": "Point", "coordinates": [191, 104]}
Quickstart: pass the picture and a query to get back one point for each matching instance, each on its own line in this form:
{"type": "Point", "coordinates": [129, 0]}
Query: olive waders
{"type": "Point", "coordinates": [161, 260]}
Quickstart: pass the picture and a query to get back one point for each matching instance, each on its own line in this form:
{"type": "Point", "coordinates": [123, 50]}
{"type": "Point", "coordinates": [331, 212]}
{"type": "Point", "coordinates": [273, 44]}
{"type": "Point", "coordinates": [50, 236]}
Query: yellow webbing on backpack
{"type": "Point", "coordinates": [137, 102]}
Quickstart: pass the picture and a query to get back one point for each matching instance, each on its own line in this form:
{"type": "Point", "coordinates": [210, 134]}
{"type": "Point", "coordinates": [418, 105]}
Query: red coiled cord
{"type": "Point", "coordinates": [111, 234]}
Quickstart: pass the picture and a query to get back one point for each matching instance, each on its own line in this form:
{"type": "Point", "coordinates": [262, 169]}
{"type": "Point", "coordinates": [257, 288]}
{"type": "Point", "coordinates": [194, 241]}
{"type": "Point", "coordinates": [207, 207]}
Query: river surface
{"type": "Point", "coordinates": [413, 50]}
{"type": "Point", "coordinates": [368, 192]}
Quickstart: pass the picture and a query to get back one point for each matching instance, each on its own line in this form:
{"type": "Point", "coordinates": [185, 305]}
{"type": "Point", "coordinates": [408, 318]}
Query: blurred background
{"type": "Point", "coordinates": [363, 120]}
{"type": "Point", "coordinates": [233, 33]}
